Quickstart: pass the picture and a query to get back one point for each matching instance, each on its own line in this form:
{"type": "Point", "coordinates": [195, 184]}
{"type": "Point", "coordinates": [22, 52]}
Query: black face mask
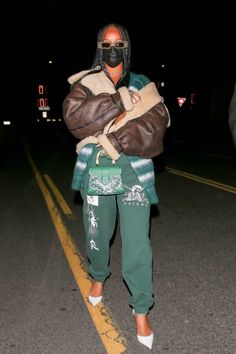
{"type": "Point", "coordinates": [112, 56]}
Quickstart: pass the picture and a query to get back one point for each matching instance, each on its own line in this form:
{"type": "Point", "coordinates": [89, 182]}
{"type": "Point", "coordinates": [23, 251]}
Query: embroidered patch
{"type": "Point", "coordinates": [135, 196]}
{"type": "Point", "coordinates": [92, 199]}
{"type": "Point", "coordinates": [93, 245]}
{"type": "Point", "coordinates": [93, 227]}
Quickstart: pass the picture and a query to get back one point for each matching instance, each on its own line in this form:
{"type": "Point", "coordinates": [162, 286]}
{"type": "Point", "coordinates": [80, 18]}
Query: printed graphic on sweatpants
{"type": "Point", "coordinates": [93, 226]}
{"type": "Point", "coordinates": [135, 196]}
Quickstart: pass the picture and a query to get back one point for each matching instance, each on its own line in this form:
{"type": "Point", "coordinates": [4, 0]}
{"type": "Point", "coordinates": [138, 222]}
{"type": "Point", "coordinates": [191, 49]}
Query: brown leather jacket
{"type": "Point", "coordinates": [88, 108]}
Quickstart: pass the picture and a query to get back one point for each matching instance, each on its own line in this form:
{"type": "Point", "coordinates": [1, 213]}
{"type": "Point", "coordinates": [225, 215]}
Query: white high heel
{"type": "Point", "coordinates": [94, 300]}
{"type": "Point", "coordinates": [147, 341]}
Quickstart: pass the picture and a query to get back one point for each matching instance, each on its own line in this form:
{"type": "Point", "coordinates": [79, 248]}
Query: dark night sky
{"type": "Point", "coordinates": [175, 34]}
{"type": "Point", "coordinates": [196, 43]}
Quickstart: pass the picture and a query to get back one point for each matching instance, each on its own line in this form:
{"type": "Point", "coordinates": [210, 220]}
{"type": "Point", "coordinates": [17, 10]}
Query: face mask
{"type": "Point", "coordinates": [112, 56]}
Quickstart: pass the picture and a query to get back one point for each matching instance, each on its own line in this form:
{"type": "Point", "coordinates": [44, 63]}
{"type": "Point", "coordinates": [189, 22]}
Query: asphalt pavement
{"type": "Point", "coordinates": [193, 235]}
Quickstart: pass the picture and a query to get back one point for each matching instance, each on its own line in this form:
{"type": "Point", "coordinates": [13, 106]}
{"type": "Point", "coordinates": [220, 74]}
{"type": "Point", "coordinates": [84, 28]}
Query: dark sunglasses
{"type": "Point", "coordinates": [117, 44]}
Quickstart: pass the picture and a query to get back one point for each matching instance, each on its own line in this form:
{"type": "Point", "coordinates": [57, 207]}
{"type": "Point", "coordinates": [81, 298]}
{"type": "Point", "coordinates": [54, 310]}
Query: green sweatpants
{"type": "Point", "coordinates": [100, 213]}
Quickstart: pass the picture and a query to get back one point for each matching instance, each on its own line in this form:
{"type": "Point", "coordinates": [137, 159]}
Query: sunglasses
{"type": "Point", "coordinates": [108, 45]}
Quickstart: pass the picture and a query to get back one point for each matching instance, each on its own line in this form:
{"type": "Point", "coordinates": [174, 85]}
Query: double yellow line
{"type": "Point", "coordinates": [111, 337]}
{"type": "Point", "coordinates": [209, 182]}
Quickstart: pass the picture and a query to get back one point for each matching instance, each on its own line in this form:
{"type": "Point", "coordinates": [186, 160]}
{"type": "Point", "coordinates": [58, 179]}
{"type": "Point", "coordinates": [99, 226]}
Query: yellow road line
{"type": "Point", "coordinates": [111, 337]}
{"type": "Point", "coordinates": [209, 182]}
{"type": "Point", "coordinates": [65, 207]}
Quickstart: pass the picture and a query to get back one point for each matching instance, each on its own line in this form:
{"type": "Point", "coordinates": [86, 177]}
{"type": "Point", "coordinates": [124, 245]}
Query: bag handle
{"type": "Point", "coordinates": [102, 153]}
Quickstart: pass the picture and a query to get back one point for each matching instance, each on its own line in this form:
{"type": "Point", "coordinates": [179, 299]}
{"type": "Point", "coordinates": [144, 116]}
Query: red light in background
{"type": "Point", "coordinates": [41, 89]}
{"type": "Point", "coordinates": [42, 102]}
{"type": "Point", "coordinates": [181, 101]}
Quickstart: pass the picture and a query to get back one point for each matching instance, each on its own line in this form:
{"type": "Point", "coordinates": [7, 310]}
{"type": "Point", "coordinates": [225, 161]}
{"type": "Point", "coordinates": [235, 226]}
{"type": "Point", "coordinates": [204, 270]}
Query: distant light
{"type": "Point", "coordinates": [45, 108]}
{"type": "Point", "coordinates": [6, 122]}
{"type": "Point", "coordinates": [163, 65]}
{"type": "Point", "coordinates": [50, 61]}
{"type": "Point", "coordinates": [181, 101]}
{"type": "Point", "coordinates": [193, 98]}
{"type": "Point", "coordinates": [59, 119]}
{"type": "Point", "coordinates": [162, 84]}
{"type": "Point", "coordinates": [41, 89]}
{"type": "Point", "coordinates": [44, 114]}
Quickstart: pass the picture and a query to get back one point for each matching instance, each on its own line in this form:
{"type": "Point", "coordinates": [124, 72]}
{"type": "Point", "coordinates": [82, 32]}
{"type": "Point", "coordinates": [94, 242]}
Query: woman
{"type": "Point", "coordinates": [112, 109]}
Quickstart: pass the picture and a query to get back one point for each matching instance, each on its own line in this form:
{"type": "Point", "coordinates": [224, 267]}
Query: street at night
{"type": "Point", "coordinates": [150, 81]}
{"type": "Point", "coordinates": [43, 276]}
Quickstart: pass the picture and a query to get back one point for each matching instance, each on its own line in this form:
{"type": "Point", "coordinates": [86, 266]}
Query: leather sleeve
{"type": "Point", "coordinates": [142, 136]}
{"type": "Point", "coordinates": [86, 114]}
